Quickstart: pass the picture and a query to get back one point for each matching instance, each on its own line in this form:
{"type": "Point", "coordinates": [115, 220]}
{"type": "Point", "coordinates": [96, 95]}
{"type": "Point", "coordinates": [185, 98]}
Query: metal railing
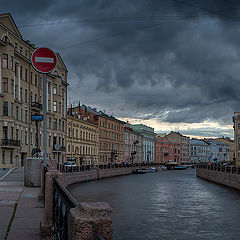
{"type": "Point", "coordinates": [10, 142]}
{"type": "Point", "coordinates": [68, 169]}
{"type": "Point", "coordinates": [36, 105]}
{"type": "Point", "coordinates": [219, 168]}
{"type": "Point", "coordinates": [62, 203]}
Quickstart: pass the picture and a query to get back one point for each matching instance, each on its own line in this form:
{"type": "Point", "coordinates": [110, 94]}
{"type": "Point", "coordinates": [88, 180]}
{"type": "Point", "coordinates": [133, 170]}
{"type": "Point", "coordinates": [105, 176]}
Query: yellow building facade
{"type": "Point", "coordinates": [82, 141]}
{"type": "Point", "coordinates": [21, 96]}
{"type": "Point", "coordinates": [231, 144]}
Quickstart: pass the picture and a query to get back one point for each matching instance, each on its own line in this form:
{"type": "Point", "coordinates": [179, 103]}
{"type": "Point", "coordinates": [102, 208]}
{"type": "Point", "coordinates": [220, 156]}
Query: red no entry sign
{"type": "Point", "coordinates": [44, 60]}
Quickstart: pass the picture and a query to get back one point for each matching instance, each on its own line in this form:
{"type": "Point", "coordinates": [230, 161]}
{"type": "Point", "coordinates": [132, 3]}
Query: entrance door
{"type": "Point", "coordinates": [23, 157]}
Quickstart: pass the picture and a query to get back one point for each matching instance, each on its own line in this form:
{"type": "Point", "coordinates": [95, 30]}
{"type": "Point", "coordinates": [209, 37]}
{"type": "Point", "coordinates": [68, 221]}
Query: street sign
{"type": "Point", "coordinates": [37, 117]}
{"type": "Point", "coordinates": [44, 60]}
{"type": "Point", "coordinates": [57, 147]}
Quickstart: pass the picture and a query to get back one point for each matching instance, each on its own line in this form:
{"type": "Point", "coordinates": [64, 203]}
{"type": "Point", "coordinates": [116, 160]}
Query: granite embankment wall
{"type": "Point", "coordinates": [227, 179]}
{"type": "Point", "coordinates": [76, 177]}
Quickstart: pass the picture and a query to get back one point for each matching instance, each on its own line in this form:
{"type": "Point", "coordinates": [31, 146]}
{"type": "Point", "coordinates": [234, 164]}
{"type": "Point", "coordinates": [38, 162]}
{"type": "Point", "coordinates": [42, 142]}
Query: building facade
{"type": "Point", "coordinates": [21, 96]}
{"type": "Point", "coordinates": [167, 150]}
{"type": "Point", "coordinates": [218, 151]}
{"type": "Point", "coordinates": [231, 144]}
{"type": "Point", "coordinates": [184, 142]}
{"type": "Point", "coordinates": [133, 148]}
{"type": "Point", "coordinates": [82, 141]}
{"type": "Point", "coordinates": [199, 151]}
{"type": "Point", "coordinates": [111, 139]}
{"type": "Point", "coordinates": [148, 141]}
{"type": "Point", "coordinates": [110, 133]}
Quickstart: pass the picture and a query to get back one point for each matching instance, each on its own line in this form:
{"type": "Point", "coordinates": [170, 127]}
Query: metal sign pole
{"type": "Point", "coordinates": [44, 121]}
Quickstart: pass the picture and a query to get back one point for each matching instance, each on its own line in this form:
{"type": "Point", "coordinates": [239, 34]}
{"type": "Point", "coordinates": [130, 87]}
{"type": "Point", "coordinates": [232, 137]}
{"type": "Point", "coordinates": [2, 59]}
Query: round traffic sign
{"type": "Point", "coordinates": [44, 60]}
{"type": "Point", "coordinates": [57, 146]}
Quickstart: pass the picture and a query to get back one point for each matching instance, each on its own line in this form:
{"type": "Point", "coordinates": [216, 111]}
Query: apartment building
{"type": "Point", "coordinates": [218, 150]}
{"type": "Point", "coordinates": [133, 145]}
{"type": "Point", "coordinates": [184, 142]}
{"type": "Point", "coordinates": [199, 151]}
{"type": "Point", "coordinates": [167, 150]}
{"type": "Point", "coordinates": [21, 96]}
{"type": "Point", "coordinates": [231, 144]}
{"type": "Point", "coordinates": [82, 140]}
{"type": "Point", "coordinates": [110, 133]}
{"type": "Point", "coordinates": [148, 141]}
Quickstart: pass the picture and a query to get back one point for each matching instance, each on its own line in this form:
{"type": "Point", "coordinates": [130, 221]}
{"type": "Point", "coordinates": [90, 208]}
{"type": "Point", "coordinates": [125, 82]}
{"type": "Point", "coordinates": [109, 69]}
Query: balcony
{"type": "Point", "coordinates": [10, 143]}
{"type": "Point", "coordinates": [36, 106]}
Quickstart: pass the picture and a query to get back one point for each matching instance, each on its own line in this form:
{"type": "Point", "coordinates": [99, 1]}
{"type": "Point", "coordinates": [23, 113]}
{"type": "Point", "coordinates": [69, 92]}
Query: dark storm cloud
{"type": "Point", "coordinates": [181, 70]}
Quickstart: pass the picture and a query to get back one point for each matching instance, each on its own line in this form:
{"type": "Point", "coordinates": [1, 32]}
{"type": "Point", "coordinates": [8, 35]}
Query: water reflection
{"type": "Point", "coordinates": [166, 205]}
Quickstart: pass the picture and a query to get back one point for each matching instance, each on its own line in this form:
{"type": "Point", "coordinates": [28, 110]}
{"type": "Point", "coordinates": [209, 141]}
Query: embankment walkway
{"type": "Point", "coordinates": [19, 207]}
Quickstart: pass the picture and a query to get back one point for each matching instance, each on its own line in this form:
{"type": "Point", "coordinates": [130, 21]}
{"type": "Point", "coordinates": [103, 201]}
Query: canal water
{"type": "Point", "coordinates": [166, 205]}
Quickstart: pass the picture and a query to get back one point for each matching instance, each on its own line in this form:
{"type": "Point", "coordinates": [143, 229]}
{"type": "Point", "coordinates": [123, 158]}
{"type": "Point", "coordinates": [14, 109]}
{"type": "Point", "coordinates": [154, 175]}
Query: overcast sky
{"type": "Point", "coordinates": [174, 65]}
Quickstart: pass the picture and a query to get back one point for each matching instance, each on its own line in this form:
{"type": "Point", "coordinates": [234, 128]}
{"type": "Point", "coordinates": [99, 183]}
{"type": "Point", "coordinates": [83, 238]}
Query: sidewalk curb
{"type": "Point", "coordinates": [10, 170]}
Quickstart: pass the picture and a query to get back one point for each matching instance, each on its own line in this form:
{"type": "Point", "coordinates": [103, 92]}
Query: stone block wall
{"type": "Point", "coordinates": [227, 179]}
{"type": "Point", "coordinates": [75, 177]}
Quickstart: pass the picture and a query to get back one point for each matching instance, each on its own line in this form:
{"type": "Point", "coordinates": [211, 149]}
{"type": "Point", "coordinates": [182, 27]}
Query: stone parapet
{"type": "Point", "coordinates": [90, 219]}
{"type": "Point", "coordinates": [227, 179]}
{"type": "Point", "coordinates": [32, 172]}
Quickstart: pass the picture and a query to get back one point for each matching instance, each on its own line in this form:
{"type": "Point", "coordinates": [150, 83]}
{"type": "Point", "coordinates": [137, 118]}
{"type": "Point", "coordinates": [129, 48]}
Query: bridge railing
{"type": "Point", "coordinates": [62, 203]}
{"type": "Point", "coordinates": [219, 168]}
{"type": "Point", "coordinates": [83, 168]}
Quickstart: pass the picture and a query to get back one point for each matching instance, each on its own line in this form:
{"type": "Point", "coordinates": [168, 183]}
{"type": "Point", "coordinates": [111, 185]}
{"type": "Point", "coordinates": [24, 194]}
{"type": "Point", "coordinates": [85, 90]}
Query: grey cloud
{"type": "Point", "coordinates": [187, 69]}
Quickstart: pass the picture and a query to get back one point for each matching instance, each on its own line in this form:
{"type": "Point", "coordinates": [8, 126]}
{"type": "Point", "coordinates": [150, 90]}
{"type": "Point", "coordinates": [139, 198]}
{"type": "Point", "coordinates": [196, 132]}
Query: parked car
{"type": "Point", "coordinates": [70, 164]}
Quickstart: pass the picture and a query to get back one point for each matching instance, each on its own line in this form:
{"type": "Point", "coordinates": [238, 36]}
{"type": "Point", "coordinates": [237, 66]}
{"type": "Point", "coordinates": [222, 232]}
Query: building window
{"type": "Point", "coordinates": [54, 123]}
{"type": "Point", "coordinates": [60, 124]}
{"type": "Point", "coordinates": [11, 157]}
{"type": "Point", "coordinates": [17, 112]}
{"type": "Point", "coordinates": [21, 72]}
{"type": "Point", "coordinates": [3, 157]}
{"type": "Point", "coordinates": [50, 123]}
{"type": "Point", "coordinates": [21, 137]}
{"type": "Point", "coordinates": [31, 77]}
{"type": "Point", "coordinates": [12, 86]}
{"type": "Point", "coordinates": [12, 110]}
{"type": "Point", "coordinates": [31, 138]}
{"type": "Point", "coordinates": [36, 80]}
{"type": "Point", "coordinates": [5, 108]}
{"type": "Point", "coordinates": [17, 134]}
{"type": "Point", "coordinates": [54, 106]}
{"type": "Point", "coordinates": [26, 95]}
{"type": "Point", "coordinates": [54, 88]}
{"type": "Point", "coordinates": [5, 132]}
{"type": "Point", "coordinates": [26, 137]}
{"type": "Point", "coordinates": [49, 141]}
{"type": "Point", "coordinates": [26, 116]}
{"type": "Point", "coordinates": [5, 85]}
{"type": "Point", "coordinates": [60, 107]}
{"type": "Point", "coordinates": [5, 61]}
{"type": "Point", "coordinates": [26, 75]}
{"type": "Point", "coordinates": [21, 96]}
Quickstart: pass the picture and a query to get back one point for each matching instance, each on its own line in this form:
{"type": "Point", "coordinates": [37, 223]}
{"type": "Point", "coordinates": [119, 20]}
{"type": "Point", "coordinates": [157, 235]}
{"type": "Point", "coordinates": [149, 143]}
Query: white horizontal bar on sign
{"type": "Point", "coordinates": [44, 59]}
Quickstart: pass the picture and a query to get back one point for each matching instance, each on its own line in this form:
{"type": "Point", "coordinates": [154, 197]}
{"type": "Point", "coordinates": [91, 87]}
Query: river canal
{"type": "Point", "coordinates": [166, 205]}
